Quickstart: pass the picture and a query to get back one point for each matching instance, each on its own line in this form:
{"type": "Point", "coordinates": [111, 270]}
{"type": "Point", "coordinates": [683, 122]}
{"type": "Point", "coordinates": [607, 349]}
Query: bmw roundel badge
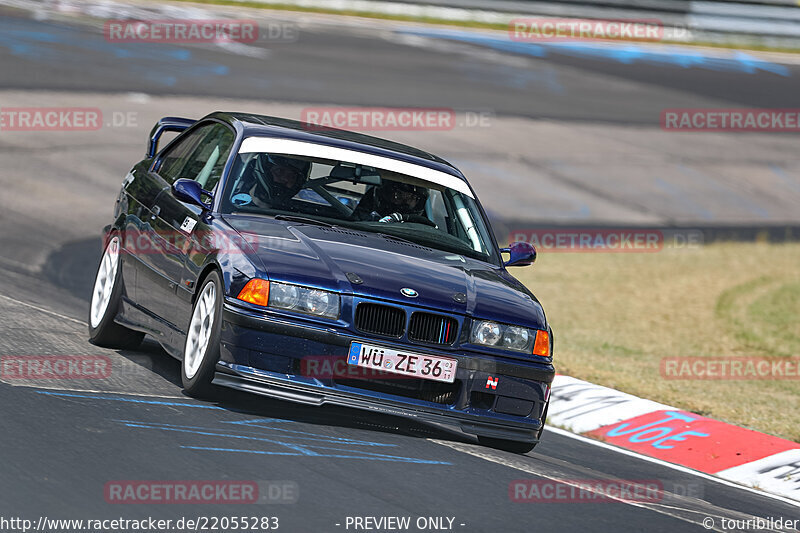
{"type": "Point", "coordinates": [410, 293]}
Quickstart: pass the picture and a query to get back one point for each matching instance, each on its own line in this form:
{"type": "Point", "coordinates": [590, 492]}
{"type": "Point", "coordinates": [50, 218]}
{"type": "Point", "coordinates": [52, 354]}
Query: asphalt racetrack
{"type": "Point", "coordinates": [571, 135]}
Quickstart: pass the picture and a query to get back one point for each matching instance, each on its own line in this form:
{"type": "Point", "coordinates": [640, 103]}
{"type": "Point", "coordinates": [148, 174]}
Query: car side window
{"type": "Point", "coordinates": [175, 158]}
{"type": "Point", "coordinates": [201, 156]}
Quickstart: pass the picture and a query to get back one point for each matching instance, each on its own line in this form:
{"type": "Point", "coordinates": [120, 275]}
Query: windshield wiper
{"type": "Point", "coordinates": [304, 220]}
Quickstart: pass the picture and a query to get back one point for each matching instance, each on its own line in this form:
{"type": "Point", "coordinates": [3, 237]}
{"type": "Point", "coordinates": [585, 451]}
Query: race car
{"type": "Point", "coordinates": [323, 266]}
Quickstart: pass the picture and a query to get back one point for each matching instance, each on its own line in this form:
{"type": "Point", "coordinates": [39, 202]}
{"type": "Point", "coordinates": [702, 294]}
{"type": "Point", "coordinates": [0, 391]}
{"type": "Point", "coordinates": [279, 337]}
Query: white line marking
{"type": "Point", "coordinates": [484, 453]}
{"type": "Point", "coordinates": [145, 394]}
{"type": "Point", "coordinates": [43, 310]}
{"type": "Point", "coordinates": [516, 463]}
{"type": "Point", "coordinates": [673, 466]}
{"type": "Point", "coordinates": [244, 49]}
{"type": "Point", "coordinates": [26, 267]}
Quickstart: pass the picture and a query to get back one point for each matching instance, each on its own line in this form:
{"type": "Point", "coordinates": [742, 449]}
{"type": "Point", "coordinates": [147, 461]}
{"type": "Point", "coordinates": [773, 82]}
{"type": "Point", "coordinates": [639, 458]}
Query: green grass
{"type": "Point", "coordinates": [615, 316]}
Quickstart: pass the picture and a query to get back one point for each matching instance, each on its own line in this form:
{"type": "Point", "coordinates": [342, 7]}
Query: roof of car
{"type": "Point", "coordinates": [263, 125]}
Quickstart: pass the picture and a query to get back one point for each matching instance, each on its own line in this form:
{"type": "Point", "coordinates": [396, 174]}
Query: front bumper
{"type": "Point", "coordinates": [490, 397]}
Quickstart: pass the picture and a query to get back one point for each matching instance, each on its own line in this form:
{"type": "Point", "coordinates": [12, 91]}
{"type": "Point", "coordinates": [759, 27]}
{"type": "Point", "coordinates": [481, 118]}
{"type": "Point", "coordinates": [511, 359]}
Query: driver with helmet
{"type": "Point", "coordinates": [273, 180]}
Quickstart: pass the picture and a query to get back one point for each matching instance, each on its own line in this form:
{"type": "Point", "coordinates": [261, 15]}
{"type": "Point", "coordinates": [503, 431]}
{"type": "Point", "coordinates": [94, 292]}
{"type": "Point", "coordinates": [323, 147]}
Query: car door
{"type": "Point", "coordinates": [159, 262]}
{"type": "Point", "coordinates": [184, 223]}
{"type": "Point", "coordinates": [139, 191]}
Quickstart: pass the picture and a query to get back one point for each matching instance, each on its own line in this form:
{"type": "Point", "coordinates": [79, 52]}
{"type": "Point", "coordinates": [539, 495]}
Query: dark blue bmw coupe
{"type": "Point", "coordinates": [324, 266]}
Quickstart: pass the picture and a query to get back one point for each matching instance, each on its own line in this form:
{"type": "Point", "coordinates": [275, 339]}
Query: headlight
{"type": "Point", "coordinates": [318, 302]}
{"type": "Point", "coordinates": [283, 296]}
{"type": "Point", "coordinates": [516, 338]}
{"type": "Point", "coordinates": [513, 338]}
{"type": "Point", "coordinates": [293, 297]}
{"type": "Point", "coordinates": [485, 332]}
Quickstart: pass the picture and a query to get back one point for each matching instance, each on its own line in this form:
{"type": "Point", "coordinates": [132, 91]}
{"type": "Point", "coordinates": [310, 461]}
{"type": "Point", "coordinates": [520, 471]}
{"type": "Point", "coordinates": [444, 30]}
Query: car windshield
{"type": "Point", "coordinates": [367, 198]}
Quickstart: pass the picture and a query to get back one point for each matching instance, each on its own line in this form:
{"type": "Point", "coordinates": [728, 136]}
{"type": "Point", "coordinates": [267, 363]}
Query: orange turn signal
{"type": "Point", "coordinates": [541, 346]}
{"type": "Point", "coordinates": [255, 292]}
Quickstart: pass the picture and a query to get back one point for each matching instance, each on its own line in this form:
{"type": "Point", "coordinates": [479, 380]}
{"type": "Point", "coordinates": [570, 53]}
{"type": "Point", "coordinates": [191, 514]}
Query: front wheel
{"type": "Point", "coordinates": [106, 298]}
{"type": "Point", "coordinates": [201, 351]}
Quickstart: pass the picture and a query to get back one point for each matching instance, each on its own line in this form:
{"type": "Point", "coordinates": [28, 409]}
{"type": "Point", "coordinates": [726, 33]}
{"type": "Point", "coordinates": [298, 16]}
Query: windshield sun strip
{"type": "Point", "coordinates": [299, 148]}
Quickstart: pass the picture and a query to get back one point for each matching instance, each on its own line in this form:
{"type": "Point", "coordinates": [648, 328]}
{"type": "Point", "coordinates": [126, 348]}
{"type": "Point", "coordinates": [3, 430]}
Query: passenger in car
{"type": "Point", "coordinates": [392, 201]}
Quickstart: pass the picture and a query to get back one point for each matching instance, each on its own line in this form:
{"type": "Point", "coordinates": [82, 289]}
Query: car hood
{"type": "Point", "coordinates": [338, 258]}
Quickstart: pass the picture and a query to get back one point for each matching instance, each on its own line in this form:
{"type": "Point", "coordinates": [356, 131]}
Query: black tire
{"type": "Point", "coordinates": [513, 446]}
{"type": "Point", "coordinates": [199, 384]}
{"type": "Point", "coordinates": [108, 333]}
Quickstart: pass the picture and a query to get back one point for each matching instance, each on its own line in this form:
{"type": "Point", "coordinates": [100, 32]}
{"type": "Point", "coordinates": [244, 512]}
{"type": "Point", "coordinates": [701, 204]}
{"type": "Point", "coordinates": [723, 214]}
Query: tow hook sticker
{"type": "Point", "coordinates": [128, 179]}
{"type": "Point", "coordinates": [188, 224]}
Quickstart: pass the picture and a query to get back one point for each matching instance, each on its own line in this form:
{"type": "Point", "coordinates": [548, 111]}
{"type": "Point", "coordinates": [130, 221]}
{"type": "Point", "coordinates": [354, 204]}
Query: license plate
{"type": "Point", "coordinates": [404, 363]}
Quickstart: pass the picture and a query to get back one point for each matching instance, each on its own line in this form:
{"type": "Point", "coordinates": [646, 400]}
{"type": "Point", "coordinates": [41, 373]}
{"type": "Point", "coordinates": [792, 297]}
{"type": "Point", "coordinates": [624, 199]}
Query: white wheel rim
{"type": "Point", "coordinates": [200, 330]}
{"type": "Point", "coordinates": [104, 283]}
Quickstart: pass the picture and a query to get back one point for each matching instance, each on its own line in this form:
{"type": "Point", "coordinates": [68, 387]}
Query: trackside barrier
{"type": "Point", "coordinates": [764, 22]}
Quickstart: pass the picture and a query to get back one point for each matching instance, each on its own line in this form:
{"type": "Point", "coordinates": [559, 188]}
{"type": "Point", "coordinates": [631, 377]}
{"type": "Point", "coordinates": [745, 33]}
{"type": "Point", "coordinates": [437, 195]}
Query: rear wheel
{"type": "Point", "coordinates": [106, 298]}
{"type": "Point", "coordinates": [201, 351]}
{"type": "Point", "coordinates": [513, 446]}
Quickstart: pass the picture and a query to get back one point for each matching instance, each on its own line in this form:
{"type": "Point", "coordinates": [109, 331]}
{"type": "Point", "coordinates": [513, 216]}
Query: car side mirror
{"type": "Point", "coordinates": [521, 254]}
{"type": "Point", "coordinates": [191, 192]}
